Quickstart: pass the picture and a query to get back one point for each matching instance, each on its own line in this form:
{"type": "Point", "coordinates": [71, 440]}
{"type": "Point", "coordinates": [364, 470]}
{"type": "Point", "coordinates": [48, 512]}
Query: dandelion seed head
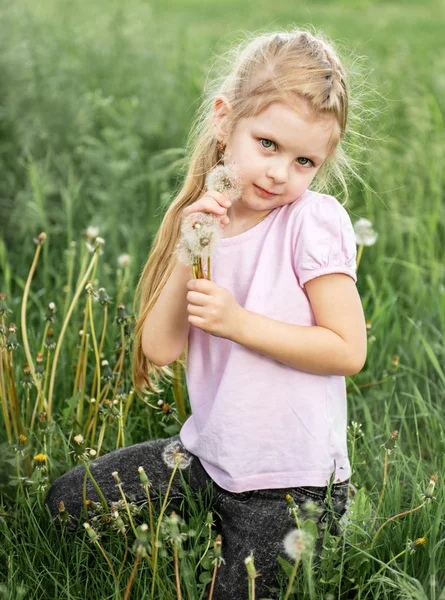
{"type": "Point", "coordinates": [176, 453]}
{"type": "Point", "coordinates": [124, 260]}
{"type": "Point", "coordinates": [200, 235]}
{"type": "Point", "coordinates": [364, 233]}
{"type": "Point", "coordinates": [92, 233]}
{"type": "Point", "coordinates": [296, 542]}
{"type": "Point", "coordinates": [225, 179]}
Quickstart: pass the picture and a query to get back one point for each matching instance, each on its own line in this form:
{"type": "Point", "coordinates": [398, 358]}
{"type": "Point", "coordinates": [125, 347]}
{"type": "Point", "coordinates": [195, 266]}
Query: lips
{"type": "Point", "coordinates": [266, 192]}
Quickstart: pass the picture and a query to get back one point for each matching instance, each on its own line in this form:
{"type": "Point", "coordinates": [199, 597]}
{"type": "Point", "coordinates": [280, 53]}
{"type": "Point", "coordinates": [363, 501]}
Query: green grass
{"type": "Point", "coordinates": [97, 100]}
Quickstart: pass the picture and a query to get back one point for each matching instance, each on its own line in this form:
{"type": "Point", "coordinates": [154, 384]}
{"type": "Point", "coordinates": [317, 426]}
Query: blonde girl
{"type": "Point", "coordinates": [272, 335]}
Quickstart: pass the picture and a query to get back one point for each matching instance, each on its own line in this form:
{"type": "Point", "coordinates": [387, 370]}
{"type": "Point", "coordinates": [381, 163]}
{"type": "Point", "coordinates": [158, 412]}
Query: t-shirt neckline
{"type": "Point", "coordinates": [256, 229]}
{"type": "Point", "coordinates": [241, 237]}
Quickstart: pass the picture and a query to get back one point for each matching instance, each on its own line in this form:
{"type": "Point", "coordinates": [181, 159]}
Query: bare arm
{"type": "Point", "coordinates": [166, 327]}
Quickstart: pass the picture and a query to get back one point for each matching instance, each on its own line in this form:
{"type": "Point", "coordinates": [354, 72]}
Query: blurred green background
{"type": "Point", "coordinates": [95, 93]}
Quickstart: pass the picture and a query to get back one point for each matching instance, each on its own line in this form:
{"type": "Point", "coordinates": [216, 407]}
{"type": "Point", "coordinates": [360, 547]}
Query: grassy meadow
{"type": "Point", "coordinates": [97, 99]}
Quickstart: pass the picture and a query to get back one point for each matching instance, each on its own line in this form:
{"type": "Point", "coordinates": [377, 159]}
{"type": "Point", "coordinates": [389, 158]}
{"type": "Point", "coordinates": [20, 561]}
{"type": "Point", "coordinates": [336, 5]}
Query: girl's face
{"type": "Point", "coordinates": [278, 150]}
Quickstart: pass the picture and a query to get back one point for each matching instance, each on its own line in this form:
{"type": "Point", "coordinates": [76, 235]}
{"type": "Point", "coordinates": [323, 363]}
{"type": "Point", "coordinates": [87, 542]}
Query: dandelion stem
{"type": "Point", "coordinates": [292, 578]}
{"type": "Point", "coordinates": [403, 514]}
{"type": "Point", "coordinates": [125, 553]}
{"type": "Point", "coordinates": [101, 345]}
{"type": "Point", "coordinates": [96, 352]}
{"type": "Point", "coordinates": [178, 390]}
{"type": "Point", "coordinates": [111, 567]}
{"type": "Point", "coordinates": [79, 289]}
{"type": "Point", "coordinates": [150, 514]}
{"type": "Point", "coordinates": [178, 585]}
{"type": "Point", "coordinates": [72, 256]}
{"type": "Point", "coordinates": [385, 472]}
{"type": "Point", "coordinates": [10, 394]}
{"type": "Point", "coordinates": [212, 586]}
{"type": "Point", "coordinates": [127, 508]}
{"type": "Point", "coordinates": [94, 482]}
{"type": "Point", "coordinates": [23, 312]}
{"type": "Point", "coordinates": [4, 399]}
{"type": "Point", "coordinates": [359, 255]}
{"type": "Point", "coordinates": [14, 393]}
{"type": "Point", "coordinates": [133, 573]}
{"type": "Point", "coordinates": [155, 547]}
{"type": "Point", "coordinates": [379, 571]}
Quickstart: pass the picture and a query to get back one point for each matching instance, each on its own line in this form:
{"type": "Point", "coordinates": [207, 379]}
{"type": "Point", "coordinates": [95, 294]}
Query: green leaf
{"type": "Point", "coordinates": [286, 566]}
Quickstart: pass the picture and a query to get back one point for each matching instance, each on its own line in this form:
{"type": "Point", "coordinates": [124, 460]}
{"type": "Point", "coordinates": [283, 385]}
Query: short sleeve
{"type": "Point", "coordinates": [324, 240]}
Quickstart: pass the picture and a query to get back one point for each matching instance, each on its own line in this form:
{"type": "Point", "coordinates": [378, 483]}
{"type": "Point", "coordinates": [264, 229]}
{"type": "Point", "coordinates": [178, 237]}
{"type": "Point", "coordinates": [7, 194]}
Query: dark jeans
{"type": "Point", "coordinates": [255, 521]}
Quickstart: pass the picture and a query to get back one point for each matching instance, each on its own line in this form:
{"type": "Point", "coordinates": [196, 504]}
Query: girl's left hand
{"type": "Point", "coordinates": [212, 308]}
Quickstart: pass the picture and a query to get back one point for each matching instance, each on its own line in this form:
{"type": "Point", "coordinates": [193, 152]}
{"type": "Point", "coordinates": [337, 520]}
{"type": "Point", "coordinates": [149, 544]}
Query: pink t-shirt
{"type": "Point", "coordinates": [257, 423]}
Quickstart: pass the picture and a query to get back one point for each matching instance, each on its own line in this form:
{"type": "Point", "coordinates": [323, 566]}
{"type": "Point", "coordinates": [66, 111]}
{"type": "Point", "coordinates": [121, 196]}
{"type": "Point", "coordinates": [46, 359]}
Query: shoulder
{"type": "Point", "coordinates": [318, 215]}
{"type": "Point", "coordinates": [318, 207]}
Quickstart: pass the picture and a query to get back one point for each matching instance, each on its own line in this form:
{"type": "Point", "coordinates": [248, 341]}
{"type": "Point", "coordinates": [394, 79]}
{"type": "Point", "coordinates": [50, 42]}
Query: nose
{"type": "Point", "coordinates": [277, 172]}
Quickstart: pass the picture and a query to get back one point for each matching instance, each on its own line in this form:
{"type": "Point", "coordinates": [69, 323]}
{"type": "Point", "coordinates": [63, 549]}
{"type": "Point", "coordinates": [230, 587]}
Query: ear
{"type": "Point", "coordinates": [221, 109]}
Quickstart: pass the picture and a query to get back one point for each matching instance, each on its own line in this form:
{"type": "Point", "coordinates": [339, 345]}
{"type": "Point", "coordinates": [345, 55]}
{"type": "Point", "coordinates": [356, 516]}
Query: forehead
{"type": "Point", "coordinates": [296, 126]}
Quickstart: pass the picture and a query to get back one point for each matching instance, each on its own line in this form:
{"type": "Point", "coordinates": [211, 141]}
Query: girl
{"type": "Point", "coordinates": [275, 331]}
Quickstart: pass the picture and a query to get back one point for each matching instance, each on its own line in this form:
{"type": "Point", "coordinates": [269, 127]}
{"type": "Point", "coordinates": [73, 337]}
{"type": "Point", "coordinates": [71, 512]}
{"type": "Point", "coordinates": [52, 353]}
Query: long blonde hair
{"type": "Point", "coordinates": [283, 66]}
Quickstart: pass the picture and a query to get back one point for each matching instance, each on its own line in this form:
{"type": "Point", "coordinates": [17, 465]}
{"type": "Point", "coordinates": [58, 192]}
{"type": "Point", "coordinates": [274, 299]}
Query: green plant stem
{"type": "Point", "coordinates": [292, 579]}
{"type": "Point", "coordinates": [178, 584]}
{"type": "Point", "coordinates": [403, 514]}
{"type": "Point", "coordinates": [133, 573]}
{"type": "Point", "coordinates": [125, 553]}
{"type": "Point", "coordinates": [155, 547]}
{"type": "Point", "coordinates": [111, 567]}
{"type": "Point", "coordinates": [382, 493]}
{"type": "Point", "coordinates": [23, 315]}
{"type": "Point", "coordinates": [96, 486]}
{"type": "Point", "coordinates": [379, 571]}
{"type": "Point", "coordinates": [79, 289]}
{"type": "Point", "coordinates": [96, 352]}
{"type": "Point", "coordinates": [127, 508]}
{"type": "Point", "coordinates": [4, 400]}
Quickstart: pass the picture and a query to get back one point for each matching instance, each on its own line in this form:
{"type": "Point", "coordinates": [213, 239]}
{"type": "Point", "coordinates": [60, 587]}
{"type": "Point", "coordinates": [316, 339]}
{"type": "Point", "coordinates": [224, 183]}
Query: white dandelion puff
{"type": "Point", "coordinates": [92, 233]}
{"type": "Point", "coordinates": [200, 235]}
{"type": "Point", "coordinates": [296, 542]}
{"type": "Point", "coordinates": [175, 452]}
{"type": "Point", "coordinates": [364, 233]}
{"type": "Point", "coordinates": [225, 180]}
{"type": "Point", "coordinates": [124, 260]}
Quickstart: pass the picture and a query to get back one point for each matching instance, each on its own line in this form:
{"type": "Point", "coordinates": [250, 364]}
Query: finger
{"type": "Point", "coordinates": [220, 198]}
{"type": "Point", "coordinates": [196, 298]}
{"type": "Point", "coordinates": [196, 321]}
{"type": "Point", "coordinates": [197, 311]}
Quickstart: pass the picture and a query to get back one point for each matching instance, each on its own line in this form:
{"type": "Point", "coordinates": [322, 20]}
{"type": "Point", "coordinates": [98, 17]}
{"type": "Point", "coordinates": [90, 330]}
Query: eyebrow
{"type": "Point", "coordinates": [273, 139]}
